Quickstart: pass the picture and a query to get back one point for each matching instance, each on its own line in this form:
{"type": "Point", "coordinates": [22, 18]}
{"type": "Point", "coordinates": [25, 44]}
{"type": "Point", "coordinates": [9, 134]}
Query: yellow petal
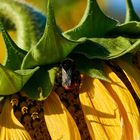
{"type": "Point", "coordinates": [10, 127]}
{"type": "Point", "coordinates": [3, 50]}
{"type": "Point", "coordinates": [130, 119]}
{"type": "Point", "coordinates": [59, 122]}
{"type": "Point", "coordinates": [100, 110]}
{"type": "Point", "coordinates": [132, 73]}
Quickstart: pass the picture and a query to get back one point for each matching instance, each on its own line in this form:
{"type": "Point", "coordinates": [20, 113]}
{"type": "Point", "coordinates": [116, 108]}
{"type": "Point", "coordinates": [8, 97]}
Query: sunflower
{"type": "Point", "coordinates": [79, 84]}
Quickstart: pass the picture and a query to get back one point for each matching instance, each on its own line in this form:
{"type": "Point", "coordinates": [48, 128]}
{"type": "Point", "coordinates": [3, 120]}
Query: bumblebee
{"type": "Point", "coordinates": [68, 76]}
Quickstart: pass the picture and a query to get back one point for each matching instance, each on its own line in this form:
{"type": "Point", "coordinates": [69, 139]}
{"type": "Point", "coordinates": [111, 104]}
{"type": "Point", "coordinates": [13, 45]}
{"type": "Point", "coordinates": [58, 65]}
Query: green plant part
{"type": "Point", "coordinates": [42, 52]}
{"type": "Point", "coordinates": [42, 83]}
{"type": "Point", "coordinates": [89, 42]}
{"type": "Point", "coordinates": [90, 25]}
{"type": "Point", "coordinates": [14, 54]}
{"type": "Point", "coordinates": [131, 15]}
{"type": "Point", "coordinates": [52, 47]}
{"type": "Point", "coordinates": [28, 22]}
{"type": "Point", "coordinates": [131, 27]}
{"type": "Point", "coordinates": [106, 48]}
{"type": "Point", "coordinates": [13, 81]}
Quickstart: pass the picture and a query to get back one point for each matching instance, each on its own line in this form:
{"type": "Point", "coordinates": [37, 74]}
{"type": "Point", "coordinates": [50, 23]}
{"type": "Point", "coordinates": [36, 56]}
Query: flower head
{"type": "Point", "coordinates": [69, 85]}
{"type": "Point", "coordinates": [10, 127]}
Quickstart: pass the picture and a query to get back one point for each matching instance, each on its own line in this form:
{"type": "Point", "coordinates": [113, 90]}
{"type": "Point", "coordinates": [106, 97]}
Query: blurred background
{"type": "Point", "coordinates": [69, 12]}
{"type": "Point", "coordinates": [117, 8]}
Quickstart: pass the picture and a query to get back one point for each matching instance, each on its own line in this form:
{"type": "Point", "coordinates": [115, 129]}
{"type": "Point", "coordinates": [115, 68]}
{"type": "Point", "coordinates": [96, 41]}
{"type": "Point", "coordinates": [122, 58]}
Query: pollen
{"type": "Point", "coordinates": [35, 115]}
{"type": "Point", "coordinates": [24, 110]}
{"type": "Point", "coordinates": [14, 100]}
{"type": "Point", "coordinates": [71, 101]}
{"type": "Point", "coordinates": [31, 115]}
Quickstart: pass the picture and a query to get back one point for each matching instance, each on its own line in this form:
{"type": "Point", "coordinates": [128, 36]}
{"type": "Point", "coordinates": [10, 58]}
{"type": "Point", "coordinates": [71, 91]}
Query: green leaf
{"type": "Point", "coordinates": [94, 23]}
{"type": "Point", "coordinates": [15, 55]}
{"type": "Point", "coordinates": [6, 22]}
{"type": "Point", "coordinates": [41, 83]}
{"type": "Point", "coordinates": [131, 15]}
{"type": "Point", "coordinates": [28, 21]}
{"type": "Point", "coordinates": [52, 47]}
{"type": "Point", "coordinates": [131, 28]}
{"type": "Point", "coordinates": [91, 67]}
{"type": "Point", "coordinates": [135, 47]}
{"type": "Point", "coordinates": [106, 48]}
{"type": "Point", "coordinates": [12, 81]}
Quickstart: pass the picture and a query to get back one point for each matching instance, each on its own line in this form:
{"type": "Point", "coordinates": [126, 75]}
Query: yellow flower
{"type": "Point", "coordinates": [98, 110]}
{"type": "Point", "coordinates": [10, 127]}
{"type": "Point", "coordinates": [132, 73]}
{"type": "Point", "coordinates": [109, 110]}
{"type": "Point", "coordinates": [58, 120]}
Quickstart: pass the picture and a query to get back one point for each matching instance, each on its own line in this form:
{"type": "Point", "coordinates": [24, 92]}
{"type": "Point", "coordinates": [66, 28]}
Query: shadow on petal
{"type": "Point", "coordinates": [59, 121]}
{"type": "Point", "coordinates": [132, 73]}
{"type": "Point", "coordinates": [109, 108]}
{"type": "Point", "coordinates": [100, 110]}
{"type": "Point", "coordinates": [127, 107]}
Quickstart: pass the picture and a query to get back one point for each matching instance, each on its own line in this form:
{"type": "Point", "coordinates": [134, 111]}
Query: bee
{"type": "Point", "coordinates": [68, 76]}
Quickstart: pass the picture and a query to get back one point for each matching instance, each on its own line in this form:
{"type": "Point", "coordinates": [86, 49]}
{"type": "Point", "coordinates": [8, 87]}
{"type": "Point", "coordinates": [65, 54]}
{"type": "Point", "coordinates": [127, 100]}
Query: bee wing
{"type": "Point", "coordinates": [66, 77]}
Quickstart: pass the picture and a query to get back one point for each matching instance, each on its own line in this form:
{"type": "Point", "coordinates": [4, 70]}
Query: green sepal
{"type": "Point", "coordinates": [106, 48]}
{"type": "Point", "coordinates": [14, 54]}
{"type": "Point", "coordinates": [131, 29]}
{"type": "Point", "coordinates": [91, 67]}
{"type": "Point", "coordinates": [41, 84]}
{"type": "Point", "coordinates": [131, 15]}
{"type": "Point", "coordinates": [131, 26]}
{"type": "Point", "coordinates": [94, 23]}
{"type": "Point", "coordinates": [6, 22]}
{"type": "Point", "coordinates": [13, 81]}
{"type": "Point", "coordinates": [52, 47]}
{"type": "Point", "coordinates": [28, 22]}
{"type": "Point", "coordinates": [135, 47]}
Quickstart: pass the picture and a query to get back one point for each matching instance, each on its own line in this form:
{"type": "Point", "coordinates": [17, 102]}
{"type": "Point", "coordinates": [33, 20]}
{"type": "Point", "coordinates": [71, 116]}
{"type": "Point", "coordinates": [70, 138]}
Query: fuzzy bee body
{"type": "Point", "coordinates": [68, 75]}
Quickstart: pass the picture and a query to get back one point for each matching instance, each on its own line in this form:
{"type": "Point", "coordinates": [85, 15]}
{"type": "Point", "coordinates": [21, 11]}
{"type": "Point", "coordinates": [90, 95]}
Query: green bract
{"type": "Point", "coordinates": [29, 22]}
{"type": "Point", "coordinates": [13, 81]}
{"type": "Point", "coordinates": [41, 84]}
{"type": "Point", "coordinates": [51, 48]}
{"type": "Point", "coordinates": [93, 67]}
{"type": "Point", "coordinates": [131, 28]}
{"type": "Point", "coordinates": [106, 48]}
{"type": "Point", "coordinates": [15, 55]}
{"type": "Point", "coordinates": [93, 24]}
{"type": "Point", "coordinates": [31, 65]}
